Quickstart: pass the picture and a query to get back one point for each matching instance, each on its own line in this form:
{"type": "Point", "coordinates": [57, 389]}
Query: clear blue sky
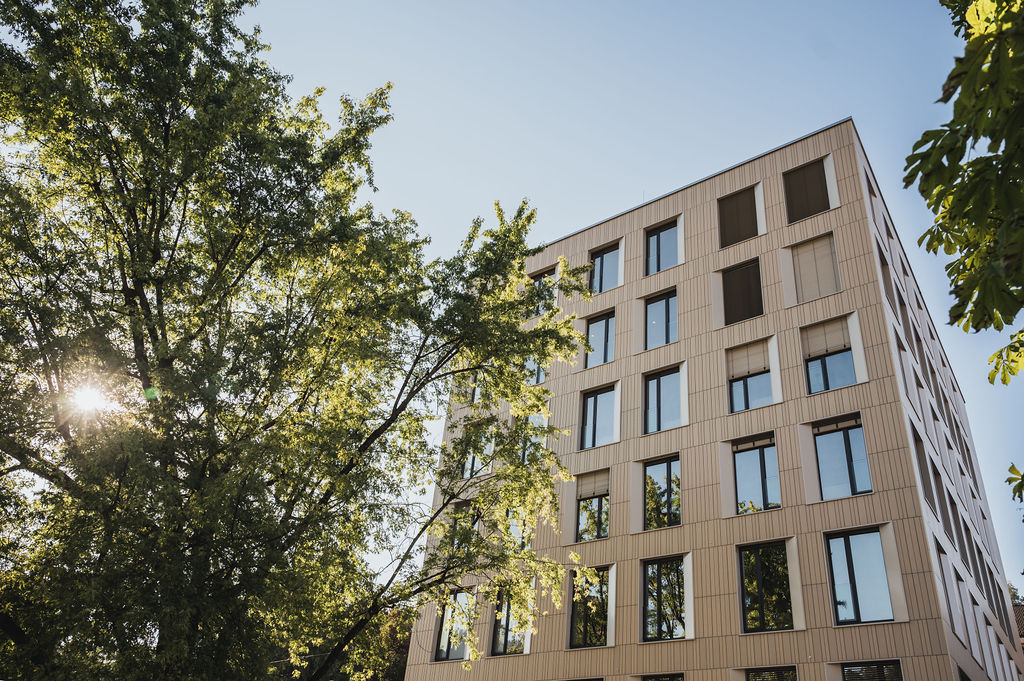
{"type": "Point", "coordinates": [588, 108]}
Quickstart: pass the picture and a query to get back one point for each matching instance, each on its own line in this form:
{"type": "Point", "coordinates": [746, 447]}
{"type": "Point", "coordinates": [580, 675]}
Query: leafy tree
{"type": "Point", "coordinates": [1015, 596]}
{"type": "Point", "coordinates": [218, 366]}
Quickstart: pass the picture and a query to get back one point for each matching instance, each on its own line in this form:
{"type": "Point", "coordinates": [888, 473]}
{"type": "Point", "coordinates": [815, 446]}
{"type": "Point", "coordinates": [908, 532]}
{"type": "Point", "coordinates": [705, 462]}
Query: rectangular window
{"type": "Point", "coordinates": [506, 641]}
{"type": "Point", "coordinates": [592, 506]}
{"type": "Point", "coordinates": [737, 217]}
{"type": "Point", "coordinates": [741, 292]}
{"type": "Point", "coordinates": [589, 620]}
{"type": "Point", "coordinates": [661, 325]}
{"type": "Point", "coordinates": [757, 475]}
{"type": "Point", "coordinates": [860, 588]}
{"type": "Point", "coordinates": [664, 604]}
{"type": "Point", "coordinates": [536, 372]}
{"type": "Point", "coordinates": [452, 633]}
{"type": "Point", "coordinates": [842, 458]}
{"type": "Point", "coordinates": [540, 279]}
{"type": "Point", "coordinates": [806, 191]}
{"type": "Point", "coordinates": [773, 674]}
{"type": "Point", "coordinates": [532, 439]}
{"type": "Point", "coordinates": [922, 469]}
{"type": "Point", "coordinates": [828, 354]}
{"type": "Point", "coordinates": [598, 418]}
{"type": "Point", "coordinates": [662, 248]}
{"type": "Point", "coordinates": [873, 671]}
{"type": "Point", "coordinates": [750, 380]}
{"type": "Point", "coordinates": [662, 677]}
{"type": "Point", "coordinates": [662, 401]}
{"type": "Point", "coordinates": [605, 274]}
{"type": "Point", "coordinates": [601, 336]}
{"type": "Point", "coordinates": [661, 494]}
{"type": "Point", "coordinates": [815, 268]}
{"type": "Point", "coordinates": [477, 462]}
{"type": "Point", "coordinates": [765, 587]}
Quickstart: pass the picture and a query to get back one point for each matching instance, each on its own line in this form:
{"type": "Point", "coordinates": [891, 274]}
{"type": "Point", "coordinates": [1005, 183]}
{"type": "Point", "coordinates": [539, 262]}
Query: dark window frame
{"type": "Point", "coordinates": [609, 338]}
{"type": "Point", "coordinates": [502, 628]}
{"type": "Point", "coordinates": [679, 563]}
{"type": "Point", "coordinates": [537, 279]}
{"type": "Point", "coordinates": [824, 371]}
{"type": "Point", "coordinates": [602, 503]}
{"type": "Point", "coordinates": [752, 446]}
{"type": "Point", "coordinates": [592, 394]}
{"type": "Point", "coordinates": [539, 375]}
{"type": "Point", "coordinates": [666, 507]}
{"type": "Point", "coordinates": [849, 455]}
{"type": "Point", "coordinates": [657, 376]}
{"type": "Point", "coordinates": [655, 233]}
{"type": "Point", "coordinates": [854, 595]}
{"type": "Point", "coordinates": [597, 259]}
{"type": "Point", "coordinates": [879, 668]}
{"type": "Point", "coordinates": [730, 320]}
{"type": "Point", "coordinates": [790, 207]}
{"type": "Point", "coordinates": [452, 600]}
{"type": "Point", "coordinates": [752, 189]}
{"type": "Point", "coordinates": [666, 296]}
{"type": "Point", "coordinates": [746, 392]}
{"type": "Point", "coordinates": [751, 674]}
{"type": "Point", "coordinates": [756, 549]}
{"type": "Point", "coordinates": [580, 612]}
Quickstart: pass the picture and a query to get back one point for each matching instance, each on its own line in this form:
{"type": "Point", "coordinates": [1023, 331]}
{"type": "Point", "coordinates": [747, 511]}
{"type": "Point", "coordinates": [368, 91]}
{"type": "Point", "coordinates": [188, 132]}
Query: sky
{"type": "Point", "coordinates": [590, 108]}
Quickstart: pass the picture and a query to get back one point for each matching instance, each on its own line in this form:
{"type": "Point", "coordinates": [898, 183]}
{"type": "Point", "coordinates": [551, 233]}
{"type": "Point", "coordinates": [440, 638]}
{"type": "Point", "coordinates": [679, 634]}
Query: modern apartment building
{"type": "Point", "coordinates": [773, 470]}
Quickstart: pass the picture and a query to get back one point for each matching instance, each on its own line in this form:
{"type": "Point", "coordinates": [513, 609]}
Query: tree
{"type": "Point", "coordinates": [1015, 597]}
{"type": "Point", "coordinates": [217, 365]}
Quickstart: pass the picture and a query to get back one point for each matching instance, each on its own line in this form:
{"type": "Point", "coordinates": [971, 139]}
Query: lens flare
{"type": "Point", "coordinates": [89, 399]}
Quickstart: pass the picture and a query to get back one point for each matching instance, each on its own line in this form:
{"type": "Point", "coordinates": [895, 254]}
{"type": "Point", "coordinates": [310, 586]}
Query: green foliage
{"type": "Point", "coordinates": [182, 236]}
{"type": "Point", "coordinates": [1016, 482]}
{"type": "Point", "coordinates": [971, 172]}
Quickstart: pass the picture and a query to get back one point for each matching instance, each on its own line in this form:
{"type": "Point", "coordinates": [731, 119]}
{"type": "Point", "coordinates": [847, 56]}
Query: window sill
{"type": "Point", "coordinates": [866, 624]}
{"type": "Point", "coordinates": [461, 659]}
{"type": "Point", "coordinates": [665, 430]}
{"type": "Point", "coordinates": [726, 325]}
{"type": "Point", "coordinates": [809, 217]}
{"type": "Point", "coordinates": [771, 631]}
{"type": "Point", "coordinates": [665, 640]}
{"type": "Point", "coordinates": [851, 496]}
{"type": "Point", "coordinates": [737, 243]}
{"type": "Point", "coordinates": [658, 529]}
{"type": "Point", "coordinates": [583, 648]}
{"type": "Point", "coordinates": [753, 513]}
{"type": "Point", "coordinates": [595, 447]}
{"type": "Point", "coordinates": [657, 347]}
{"type": "Point", "coordinates": [595, 294]}
{"type": "Point", "coordinates": [763, 406]}
{"type": "Point", "coordinates": [667, 269]}
{"type": "Point", "coordinates": [811, 300]}
{"type": "Point", "coordinates": [586, 541]}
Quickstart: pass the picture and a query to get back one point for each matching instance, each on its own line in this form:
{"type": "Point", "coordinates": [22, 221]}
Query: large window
{"type": "Point", "coordinates": [662, 401]}
{"type": "Point", "coordinates": [664, 599]}
{"type": "Point", "coordinates": [737, 217]}
{"type": "Point", "coordinates": [741, 292]}
{"type": "Point", "coordinates": [765, 588]}
{"type": "Point", "coordinates": [815, 268]}
{"type": "Point", "coordinates": [806, 191]}
{"type": "Point", "coordinates": [589, 620]}
{"type": "Point", "coordinates": [757, 475]}
{"type": "Point", "coordinates": [452, 632]}
{"type": "Point", "coordinates": [598, 418]}
{"type": "Point", "coordinates": [860, 588]}
{"type": "Point", "coordinates": [506, 641]}
{"type": "Point", "coordinates": [828, 355]}
{"type": "Point", "coordinates": [536, 372]}
{"type": "Point", "coordinates": [478, 462]}
{"type": "Point", "coordinates": [662, 248]}
{"type": "Point", "coordinates": [771, 674]}
{"type": "Point", "coordinates": [873, 671]}
{"type": "Point", "coordinates": [592, 506]}
{"type": "Point", "coordinates": [605, 274]}
{"type": "Point", "coordinates": [601, 336]}
{"type": "Point", "coordinates": [750, 379]}
{"type": "Point", "coordinates": [661, 325]}
{"type": "Point", "coordinates": [539, 279]}
{"type": "Point", "coordinates": [842, 458]}
{"type": "Point", "coordinates": [661, 494]}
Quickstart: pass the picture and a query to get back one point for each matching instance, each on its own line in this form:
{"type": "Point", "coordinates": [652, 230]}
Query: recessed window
{"type": "Point", "coordinates": [539, 280]}
{"type": "Point", "coordinates": [506, 641]}
{"type": "Point", "coordinates": [605, 274]}
{"type": "Point", "coordinates": [533, 439]}
{"type": "Point", "coordinates": [589, 620]}
{"type": "Point", "coordinates": [828, 355]}
{"type": "Point", "coordinates": [872, 671]}
{"type": "Point", "coordinates": [452, 633]}
{"type": "Point", "coordinates": [662, 401]}
{"type": "Point", "coordinates": [592, 506]}
{"type": "Point", "coordinates": [750, 379]}
{"type": "Point", "coordinates": [478, 462]}
{"type": "Point", "coordinates": [664, 603]}
{"type": "Point", "coordinates": [661, 326]}
{"type": "Point", "coordinates": [662, 248]}
{"type": "Point", "coordinates": [661, 494]}
{"type": "Point", "coordinates": [741, 292]}
{"type": "Point", "coordinates": [601, 336]}
{"type": "Point", "coordinates": [598, 418]}
{"type": "Point", "coordinates": [737, 217]}
{"type": "Point", "coordinates": [815, 268]}
{"type": "Point", "coordinates": [842, 458]}
{"type": "Point", "coordinates": [535, 372]}
{"type": "Point", "coordinates": [765, 588]}
{"type": "Point", "coordinates": [806, 190]}
{"type": "Point", "coordinates": [860, 587]}
{"type": "Point", "coordinates": [757, 475]}
{"type": "Point", "coordinates": [772, 674]}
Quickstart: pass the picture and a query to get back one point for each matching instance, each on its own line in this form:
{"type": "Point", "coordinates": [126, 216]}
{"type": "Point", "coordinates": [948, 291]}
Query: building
{"type": "Point", "coordinates": [767, 377]}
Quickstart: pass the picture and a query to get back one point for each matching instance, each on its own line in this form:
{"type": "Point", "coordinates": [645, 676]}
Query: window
{"type": "Point", "coordinates": [842, 458]}
{"type": "Point", "coordinates": [463, 526]}
{"type": "Point", "coordinates": [538, 280]}
{"type": "Point", "coordinates": [661, 321]}
{"type": "Point", "coordinates": [452, 633]}
{"type": "Point", "coordinates": [589, 620]}
{"type": "Point", "coordinates": [922, 469]}
{"type": "Point", "coordinates": [774, 674]}
{"type": "Point", "coordinates": [605, 274]}
{"type": "Point", "coordinates": [860, 588]}
{"type": "Point", "coordinates": [661, 494]}
{"type": "Point", "coordinates": [829, 356]}
{"type": "Point", "coordinates": [536, 372]}
{"type": "Point", "coordinates": [873, 671]}
{"type": "Point", "coordinates": [477, 462]}
{"type": "Point", "coordinates": [662, 401]}
{"type": "Point", "coordinates": [598, 418]}
{"type": "Point", "coordinates": [741, 292]}
{"type": "Point", "coordinates": [664, 602]}
{"type": "Point", "coordinates": [765, 588]}
{"type": "Point", "coordinates": [663, 677]}
{"type": "Point", "coordinates": [601, 336]}
{"type": "Point", "coordinates": [533, 439]}
{"type": "Point", "coordinates": [815, 268]}
{"type": "Point", "coordinates": [592, 506]}
{"type": "Point", "coordinates": [506, 641]}
{"type": "Point", "coordinates": [737, 217]}
{"type": "Point", "coordinates": [757, 475]}
{"type": "Point", "coordinates": [806, 191]}
{"type": "Point", "coordinates": [662, 248]}
{"type": "Point", "coordinates": [750, 380]}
